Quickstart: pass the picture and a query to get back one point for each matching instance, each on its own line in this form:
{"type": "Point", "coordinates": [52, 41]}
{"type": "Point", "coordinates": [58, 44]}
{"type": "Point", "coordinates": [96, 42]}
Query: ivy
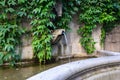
{"type": "Point", "coordinates": [87, 41]}
{"type": "Point", "coordinates": [41, 29]}
{"type": "Point", "coordinates": [95, 12]}
{"type": "Point", "coordinates": [44, 20]}
{"type": "Point", "coordinates": [9, 40]}
{"type": "Point", "coordinates": [89, 15]}
{"type": "Point", "coordinates": [10, 32]}
{"type": "Point", "coordinates": [69, 8]}
{"type": "Point", "coordinates": [111, 20]}
{"type": "Point", "coordinates": [13, 12]}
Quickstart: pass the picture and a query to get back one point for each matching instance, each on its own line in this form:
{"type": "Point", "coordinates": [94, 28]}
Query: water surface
{"type": "Point", "coordinates": [22, 73]}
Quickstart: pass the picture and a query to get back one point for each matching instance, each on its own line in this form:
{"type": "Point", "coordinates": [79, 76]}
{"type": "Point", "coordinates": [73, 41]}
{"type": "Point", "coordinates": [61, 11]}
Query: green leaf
{"type": "Point", "coordinates": [11, 2]}
{"type": "Point", "coordinates": [21, 14]}
{"type": "Point", "coordinates": [2, 3]}
{"type": "Point", "coordinates": [7, 57]}
{"type": "Point", "coordinates": [9, 10]}
{"type": "Point", "coordinates": [21, 1]}
{"type": "Point", "coordinates": [9, 47]}
{"type": "Point", "coordinates": [1, 55]}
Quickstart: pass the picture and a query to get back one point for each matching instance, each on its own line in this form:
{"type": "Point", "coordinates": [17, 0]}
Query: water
{"type": "Point", "coordinates": [65, 37]}
{"type": "Point", "coordinates": [23, 73]}
{"type": "Point", "coordinates": [67, 47]}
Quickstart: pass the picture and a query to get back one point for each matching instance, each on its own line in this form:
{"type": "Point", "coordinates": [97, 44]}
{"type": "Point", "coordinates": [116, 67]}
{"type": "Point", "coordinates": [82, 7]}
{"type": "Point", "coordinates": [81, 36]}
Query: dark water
{"type": "Point", "coordinates": [23, 73]}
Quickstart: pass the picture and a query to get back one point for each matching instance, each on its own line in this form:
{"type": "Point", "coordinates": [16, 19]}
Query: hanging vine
{"type": "Point", "coordinates": [10, 32]}
{"type": "Point", "coordinates": [44, 19]}
{"type": "Point", "coordinates": [95, 12]}
{"type": "Point", "coordinates": [41, 32]}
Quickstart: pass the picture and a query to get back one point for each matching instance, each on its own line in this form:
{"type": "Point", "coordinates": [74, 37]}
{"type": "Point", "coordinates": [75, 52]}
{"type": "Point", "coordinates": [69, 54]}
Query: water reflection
{"type": "Point", "coordinates": [22, 73]}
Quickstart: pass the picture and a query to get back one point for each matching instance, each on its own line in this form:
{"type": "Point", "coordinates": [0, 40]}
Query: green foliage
{"type": "Point", "coordinates": [9, 39]}
{"type": "Point", "coordinates": [110, 18]}
{"type": "Point", "coordinates": [95, 12]}
{"type": "Point", "coordinates": [41, 32]}
{"type": "Point", "coordinates": [40, 13]}
{"type": "Point", "coordinates": [107, 27]}
{"type": "Point", "coordinates": [44, 20]}
{"type": "Point", "coordinates": [10, 32]}
{"type": "Point", "coordinates": [86, 41]}
{"type": "Point", "coordinates": [102, 40]}
{"type": "Point", "coordinates": [69, 8]}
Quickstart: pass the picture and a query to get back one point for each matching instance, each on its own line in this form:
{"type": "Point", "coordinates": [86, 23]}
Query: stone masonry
{"type": "Point", "coordinates": [112, 41]}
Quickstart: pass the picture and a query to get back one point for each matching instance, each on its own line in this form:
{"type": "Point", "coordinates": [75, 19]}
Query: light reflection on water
{"type": "Point", "coordinates": [22, 73]}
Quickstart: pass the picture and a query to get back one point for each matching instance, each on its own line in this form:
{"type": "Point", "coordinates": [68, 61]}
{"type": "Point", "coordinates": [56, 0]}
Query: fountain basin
{"type": "Point", "coordinates": [72, 70]}
{"type": "Point", "coordinates": [107, 53]}
{"type": "Point", "coordinates": [107, 75]}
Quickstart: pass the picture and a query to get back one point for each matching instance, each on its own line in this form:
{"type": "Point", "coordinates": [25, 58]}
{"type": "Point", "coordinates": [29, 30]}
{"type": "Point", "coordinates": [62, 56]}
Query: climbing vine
{"type": "Point", "coordinates": [95, 12]}
{"type": "Point", "coordinates": [69, 8]}
{"type": "Point", "coordinates": [111, 20]}
{"type": "Point", "coordinates": [10, 32]}
{"type": "Point", "coordinates": [41, 29]}
{"type": "Point", "coordinates": [44, 20]}
{"type": "Point", "coordinates": [13, 12]}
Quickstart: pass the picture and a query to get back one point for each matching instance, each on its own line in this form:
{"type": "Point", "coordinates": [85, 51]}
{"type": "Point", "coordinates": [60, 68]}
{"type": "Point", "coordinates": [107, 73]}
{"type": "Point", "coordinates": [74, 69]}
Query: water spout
{"type": "Point", "coordinates": [65, 38]}
{"type": "Point", "coordinates": [57, 35]}
{"type": "Point", "coordinates": [61, 45]}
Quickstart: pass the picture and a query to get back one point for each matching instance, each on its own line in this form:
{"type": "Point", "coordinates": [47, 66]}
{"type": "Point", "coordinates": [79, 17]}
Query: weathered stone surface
{"type": "Point", "coordinates": [27, 52]}
{"type": "Point", "coordinates": [112, 41]}
{"type": "Point", "coordinates": [73, 47]}
{"type": "Point", "coordinates": [111, 46]}
{"type": "Point", "coordinates": [56, 33]}
{"type": "Point", "coordinates": [117, 37]}
{"type": "Point", "coordinates": [26, 40]}
{"type": "Point", "coordinates": [106, 46]}
{"type": "Point", "coordinates": [107, 53]}
{"type": "Point", "coordinates": [64, 72]}
{"type": "Point", "coordinates": [107, 75]}
{"type": "Point", "coordinates": [108, 38]}
{"type": "Point", "coordinates": [26, 24]}
{"type": "Point", "coordinates": [26, 47]}
{"type": "Point", "coordinates": [117, 29]}
{"type": "Point", "coordinates": [96, 34]}
{"type": "Point", "coordinates": [74, 40]}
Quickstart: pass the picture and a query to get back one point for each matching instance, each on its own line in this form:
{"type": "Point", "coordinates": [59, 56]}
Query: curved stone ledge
{"type": "Point", "coordinates": [64, 71]}
{"type": "Point", "coordinates": [107, 53]}
{"type": "Point", "coordinates": [108, 75]}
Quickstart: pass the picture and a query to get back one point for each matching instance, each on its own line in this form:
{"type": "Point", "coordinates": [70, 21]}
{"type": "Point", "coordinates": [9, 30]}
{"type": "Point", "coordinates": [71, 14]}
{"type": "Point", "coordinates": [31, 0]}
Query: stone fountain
{"type": "Point", "coordinates": [89, 69]}
{"type": "Point", "coordinates": [60, 44]}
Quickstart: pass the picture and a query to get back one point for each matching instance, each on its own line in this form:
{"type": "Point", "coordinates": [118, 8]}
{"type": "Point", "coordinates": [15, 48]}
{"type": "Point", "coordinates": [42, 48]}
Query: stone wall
{"type": "Point", "coordinates": [26, 47]}
{"type": "Point", "coordinates": [74, 39]}
{"type": "Point", "coordinates": [112, 41]}
{"type": "Point", "coordinates": [73, 47]}
{"type": "Point", "coordinates": [96, 36]}
{"type": "Point", "coordinates": [27, 51]}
